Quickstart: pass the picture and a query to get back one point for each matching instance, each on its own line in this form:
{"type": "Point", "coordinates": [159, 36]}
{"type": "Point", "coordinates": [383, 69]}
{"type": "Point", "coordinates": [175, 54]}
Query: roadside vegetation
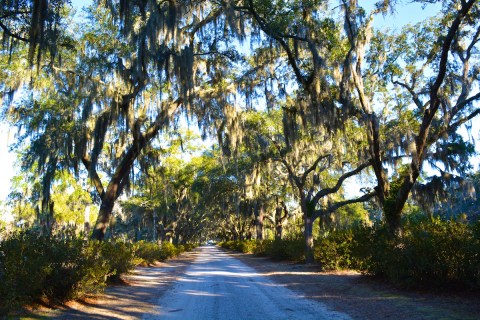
{"type": "Point", "coordinates": [54, 269]}
{"type": "Point", "coordinates": [430, 254]}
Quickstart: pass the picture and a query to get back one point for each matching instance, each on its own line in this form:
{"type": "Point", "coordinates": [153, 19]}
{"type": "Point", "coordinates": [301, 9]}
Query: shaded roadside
{"type": "Point", "coordinates": [363, 297]}
{"type": "Point", "coordinates": [132, 300]}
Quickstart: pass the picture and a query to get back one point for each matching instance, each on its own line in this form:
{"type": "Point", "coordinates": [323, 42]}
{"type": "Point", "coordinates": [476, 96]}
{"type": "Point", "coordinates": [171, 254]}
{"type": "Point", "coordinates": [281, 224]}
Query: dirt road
{"type": "Point", "coordinates": [209, 283]}
{"type": "Point", "coordinates": [219, 286]}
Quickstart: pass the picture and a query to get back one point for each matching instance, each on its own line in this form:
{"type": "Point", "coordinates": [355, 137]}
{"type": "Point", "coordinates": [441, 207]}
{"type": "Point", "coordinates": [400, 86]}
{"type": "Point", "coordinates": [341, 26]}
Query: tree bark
{"type": "Point", "coordinates": [278, 223]}
{"type": "Point", "coordinates": [308, 233]}
{"type": "Point", "coordinates": [259, 214]}
{"type": "Point", "coordinates": [104, 214]}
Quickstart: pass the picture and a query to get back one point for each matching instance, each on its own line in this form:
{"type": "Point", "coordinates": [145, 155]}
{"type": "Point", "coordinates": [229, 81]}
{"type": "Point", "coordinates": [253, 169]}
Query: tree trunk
{"type": "Point", "coordinates": [259, 213]}
{"type": "Point", "coordinates": [394, 207]}
{"type": "Point", "coordinates": [104, 215]}
{"type": "Point", "coordinates": [278, 223]}
{"type": "Point", "coordinates": [308, 233]}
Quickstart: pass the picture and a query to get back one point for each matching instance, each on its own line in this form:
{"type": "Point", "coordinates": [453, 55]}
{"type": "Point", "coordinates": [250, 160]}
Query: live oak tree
{"type": "Point", "coordinates": [316, 164]}
{"type": "Point", "coordinates": [311, 43]}
{"type": "Point", "coordinates": [137, 63]}
{"type": "Point", "coordinates": [413, 97]}
{"type": "Point", "coordinates": [341, 70]}
{"type": "Point", "coordinates": [127, 80]}
{"type": "Point", "coordinates": [440, 81]}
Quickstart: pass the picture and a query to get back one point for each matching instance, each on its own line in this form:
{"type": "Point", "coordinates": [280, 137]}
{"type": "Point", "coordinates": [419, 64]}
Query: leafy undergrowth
{"type": "Point", "coordinates": [35, 267]}
{"type": "Point", "coordinates": [429, 253]}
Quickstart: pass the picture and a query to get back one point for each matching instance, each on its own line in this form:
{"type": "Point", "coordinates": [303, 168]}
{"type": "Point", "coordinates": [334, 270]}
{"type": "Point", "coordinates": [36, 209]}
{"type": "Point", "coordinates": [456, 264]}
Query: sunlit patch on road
{"type": "Point", "coordinates": [218, 286]}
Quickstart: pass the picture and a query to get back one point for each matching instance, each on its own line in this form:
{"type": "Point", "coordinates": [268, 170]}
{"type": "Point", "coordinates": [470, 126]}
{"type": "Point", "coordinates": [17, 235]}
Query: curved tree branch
{"type": "Point", "coordinates": [322, 193]}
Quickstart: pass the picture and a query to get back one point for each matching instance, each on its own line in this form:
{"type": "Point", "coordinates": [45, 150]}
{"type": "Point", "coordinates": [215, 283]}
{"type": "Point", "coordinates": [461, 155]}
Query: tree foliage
{"type": "Point", "coordinates": [300, 96]}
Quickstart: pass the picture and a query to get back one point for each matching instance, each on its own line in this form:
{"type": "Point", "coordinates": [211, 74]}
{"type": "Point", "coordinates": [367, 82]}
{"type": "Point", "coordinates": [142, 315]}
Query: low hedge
{"type": "Point", "coordinates": [34, 267]}
{"type": "Point", "coordinates": [277, 249]}
{"type": "Point", "coordinates": [429, 253]}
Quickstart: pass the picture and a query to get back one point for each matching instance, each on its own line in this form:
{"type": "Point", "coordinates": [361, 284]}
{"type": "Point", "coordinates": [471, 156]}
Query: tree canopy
{"type": "Point", "coordinates": [297, 99]}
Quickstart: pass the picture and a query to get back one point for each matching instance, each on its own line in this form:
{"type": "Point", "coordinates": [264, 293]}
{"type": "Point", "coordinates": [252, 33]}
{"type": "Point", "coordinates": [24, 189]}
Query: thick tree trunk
{"type": "Point", "coordinates": [103, 220]}
{"type": "Point", "coordinates": [259, 214]}
{"type": "Point", "coordinates": [308, 233]}
{"type": "Point", "coordinates": [278, 232]}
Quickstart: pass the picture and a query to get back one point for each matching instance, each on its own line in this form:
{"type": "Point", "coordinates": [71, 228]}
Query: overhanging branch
{"type": "Point", "coordinates": [340, 204]}
{"type": "Point", "coordinates": [322, 193]}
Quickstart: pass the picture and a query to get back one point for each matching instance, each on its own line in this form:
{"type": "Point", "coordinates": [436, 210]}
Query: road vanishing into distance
{"type": "Point", "coordinates": [219, 286]}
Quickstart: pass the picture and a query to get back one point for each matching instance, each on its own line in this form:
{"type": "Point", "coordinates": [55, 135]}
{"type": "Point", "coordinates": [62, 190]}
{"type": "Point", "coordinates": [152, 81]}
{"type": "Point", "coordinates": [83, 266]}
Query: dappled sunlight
{"type": "Point", "coordinates": [184, 279]}
{"type": "Point", "coordinates": [224, 273]}
{"type": "Point", "coordinates": [218, 286]}
{"type": "Point", "coordinates": [202, 293]}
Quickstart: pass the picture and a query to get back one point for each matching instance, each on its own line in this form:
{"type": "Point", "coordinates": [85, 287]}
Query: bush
{"type": "Point", "coordinates": [335, 251]}
{"type": "Point", "coordinates": [262, 246]}
{"type": "Point", "coordinates": [428, 253]}
{"type": "Point", "coordinates": [180, 249]}
{"type": "Point", "coordinates": [119, 256]}
{"type": "Point", "coordinates": [190, 246]}
{"type": "Point", "coordinates": [277, 249]}
{"type": "Point", "coordinates": [66, 274]}
{"type": "Point", "coordinates": [245, 246]}
{"type": "Point", "coordinates": [231, 244]}
{"type": "Point", "coordinates": [147, 252]}
{"type": "Point", "coordinates": [23, 269]}
{"type": "Point", "coordinates": [33, 267]}
{"type": "Point", "coordinates": [290, 249]}
{"type": "Point", "coordinates": [167, 250]}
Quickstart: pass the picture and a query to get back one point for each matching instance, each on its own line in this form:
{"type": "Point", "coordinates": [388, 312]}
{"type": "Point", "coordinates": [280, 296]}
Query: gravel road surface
{"type": "Point", "coordinates": [218, 286]}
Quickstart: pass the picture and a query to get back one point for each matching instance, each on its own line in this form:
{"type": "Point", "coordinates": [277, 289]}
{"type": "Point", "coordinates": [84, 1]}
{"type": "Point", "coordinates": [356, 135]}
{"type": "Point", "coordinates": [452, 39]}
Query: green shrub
{"type": "Point", "coordinates": [277, 249]}
{"type": "Point", "coordinates": [262, 246]}
{"type": "Point", "coordinates": [232, 245]}
{"type": "Point", "coordinates": [291, 249]}
{"type": "Point", "coordinates": [23, 269]}
{"type": "Point", "coordinates": [65, 270]}
{"type": "Point", "coordinates": [334, 252]}
{"type": "Point", "coordinates": [94, 268]}
{"type": "Point", "coordinates": [190, 246]}
{"type": "Point", "coordinates": [248, 246]}
{"type": "Point", "coordinates": [436, 253]}
{"type": "Point", "coordinates": [147, 252]}
{"type": "Point", "coordinates": [167, 250]}
{"type": "Point", "coordinates": [245, 246]}
{"type": "Point", "coordinates": [428, 254]}
{"type": "Point", "coordinates": [32, 267]}
{"type": "Point", "coordinates": [120, 258]}
{"type": "Point", "coordinates": [180, 249]}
